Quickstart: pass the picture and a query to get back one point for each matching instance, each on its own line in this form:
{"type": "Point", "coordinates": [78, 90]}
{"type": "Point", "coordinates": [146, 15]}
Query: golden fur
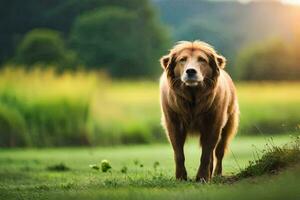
{"type": "Point", "coordinates": [206, 107]}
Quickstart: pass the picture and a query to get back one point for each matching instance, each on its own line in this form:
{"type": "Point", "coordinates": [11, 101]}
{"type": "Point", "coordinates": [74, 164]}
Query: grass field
{"type": "Point", "coordinates": [42, 108]}
{"type": "Point", "coordinates": [266, 107]}
{"type": "Point", "coordinates": [86, 108]}
{"type": "Point", "coordinates": [24, 173]}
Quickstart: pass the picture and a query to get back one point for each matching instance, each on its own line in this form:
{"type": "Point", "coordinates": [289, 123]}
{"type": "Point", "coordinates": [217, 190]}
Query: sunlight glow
{"type": "Point", "coordinates": [295, 2]}
{"type": "Point", "coordinates": [292, 2]}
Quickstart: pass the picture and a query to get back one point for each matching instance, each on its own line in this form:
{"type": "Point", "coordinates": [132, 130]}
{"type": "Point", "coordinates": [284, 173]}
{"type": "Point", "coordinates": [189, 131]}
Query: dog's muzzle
{"type": "Point", "coordinates": [191, 77]}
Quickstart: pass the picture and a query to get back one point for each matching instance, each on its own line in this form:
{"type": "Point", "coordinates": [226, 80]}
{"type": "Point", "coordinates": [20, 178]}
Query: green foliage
{"type": "Point", "coordinates": [53, 115]}
{"type": "Point", "coordinates": [214, 34]}
{"type": "Point", "coordinates": [13, 127]}
{"type": "Point", "coordinates": [229, 26]}
{"type": "Point", "coordinates": [42, 108]}
{"type": "Point", "coordinates": [105, 166]}
{"type": "Point", "coordinates": [273, 159]}
{"type": "Point", "coordinates": [127, 40]}
{"type": "Point", "coordinates": [268, 108]}
{"type": "Point", "coordinates": [44, 46]}
{"type": "Point", "coordinates": [56, 122]}
{"type": "Point", "coordinates": [124, 42]}
{"type": "Point", "coordinates": [127, 131]}
{"type": "Point", "coordinates": [24, 174]}
{"type": "Point", "coordinates": [271, 60]}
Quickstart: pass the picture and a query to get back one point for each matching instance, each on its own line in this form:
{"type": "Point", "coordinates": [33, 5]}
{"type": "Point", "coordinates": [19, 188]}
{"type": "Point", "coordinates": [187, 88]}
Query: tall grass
{"type": "Point", "coordinates": [43, 108]}
{"type": "Point", "coordinates": [273, 159]}
{"type": "Point", "coordinates": [127, 112]}
{"type": "Point", "coordinates": [269, 108]}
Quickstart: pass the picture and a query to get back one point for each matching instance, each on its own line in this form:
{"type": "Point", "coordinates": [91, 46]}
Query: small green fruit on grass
{"type": "Point", "coordinates": [105, 166]}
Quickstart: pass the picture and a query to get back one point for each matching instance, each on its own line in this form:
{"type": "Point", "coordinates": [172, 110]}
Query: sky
{"type": "Point", "coordinates": [297, 2]}
{"type": "Point", "coordinates": [293, 2]}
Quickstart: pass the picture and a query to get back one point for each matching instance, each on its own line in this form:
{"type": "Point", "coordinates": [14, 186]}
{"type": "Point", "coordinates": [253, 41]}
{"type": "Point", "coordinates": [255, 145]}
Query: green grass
{"type": "Point", "coordinates": [266, 108]}
{"type": "Point", "coordinates": [273, 159]}
{"type": "Point", "coordinates": [25, 174]}
{"type": "Point", "coordinates": [40, 108]}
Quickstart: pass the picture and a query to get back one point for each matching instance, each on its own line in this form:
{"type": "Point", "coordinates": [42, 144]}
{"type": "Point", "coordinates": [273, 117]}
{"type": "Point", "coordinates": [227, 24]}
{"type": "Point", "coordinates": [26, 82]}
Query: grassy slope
{"type": "Point", "coordinates": [23, 174]}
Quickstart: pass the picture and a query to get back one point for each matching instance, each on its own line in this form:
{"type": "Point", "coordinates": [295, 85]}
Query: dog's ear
{"type": "Point", "coordinates": [168, 63]}
{"type": "Point", "coordinates": [221, 61]}
{"type": "Point", "coordinates": [164, 61]}
{"type": "Point", "coordinates": [217, 62]}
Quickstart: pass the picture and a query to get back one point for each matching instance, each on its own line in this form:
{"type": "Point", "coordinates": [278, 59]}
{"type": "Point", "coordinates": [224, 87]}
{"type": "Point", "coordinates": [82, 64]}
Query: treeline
{"type": "Point", "coordinates": [271, 60]}
{"type": "Point", "coordinates": [126, 38]}
{"type": "Point", "coordinates": [234, 28]}
{"type": "Point", "coordinates": [123, 37]}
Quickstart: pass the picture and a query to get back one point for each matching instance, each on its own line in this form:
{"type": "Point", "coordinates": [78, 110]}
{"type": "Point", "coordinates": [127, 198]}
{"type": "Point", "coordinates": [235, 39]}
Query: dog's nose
{"type": "Point", "coordinates": [191, 72]}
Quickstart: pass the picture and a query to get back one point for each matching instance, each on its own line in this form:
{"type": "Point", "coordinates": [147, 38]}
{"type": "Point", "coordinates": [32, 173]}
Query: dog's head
{"type": "Point", "coordinates": [193, 64]}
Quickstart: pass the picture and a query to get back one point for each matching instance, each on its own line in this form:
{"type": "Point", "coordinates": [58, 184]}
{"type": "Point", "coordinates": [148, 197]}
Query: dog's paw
{"type": "Point", "coordinates": [203, 180]}
{"type": "Point", "coordinates": [181, 175]}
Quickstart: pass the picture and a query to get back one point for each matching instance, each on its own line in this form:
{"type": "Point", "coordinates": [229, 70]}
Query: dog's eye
{"type": "Point", "coordinates": [183, 59]}
{"type": "Point", "coordinates": [201, 59]}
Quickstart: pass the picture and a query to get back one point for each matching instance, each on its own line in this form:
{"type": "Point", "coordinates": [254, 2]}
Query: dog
{"type": "Point", "coordinates": [198, 97]}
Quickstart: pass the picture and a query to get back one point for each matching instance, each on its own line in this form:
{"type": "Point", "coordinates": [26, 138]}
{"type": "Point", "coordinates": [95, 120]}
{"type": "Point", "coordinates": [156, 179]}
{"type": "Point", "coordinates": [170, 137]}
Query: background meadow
{"type": "Point", "coordinates": [42, 108]}
{"type": "Point", "coordinates": [79, 85]}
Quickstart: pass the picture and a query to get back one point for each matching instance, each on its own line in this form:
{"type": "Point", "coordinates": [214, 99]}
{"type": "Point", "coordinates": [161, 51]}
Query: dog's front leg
{"type": "Point", "coordinates": [178, 147]}
{"type": "Point", "coordinates": [177, 138]}
{"type": "Point", "coordinates": [209, 141]}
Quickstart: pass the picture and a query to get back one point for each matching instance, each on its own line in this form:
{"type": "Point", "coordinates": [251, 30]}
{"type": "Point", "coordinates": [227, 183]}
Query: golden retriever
{"type": "Point", "coordinates": [198, 97]}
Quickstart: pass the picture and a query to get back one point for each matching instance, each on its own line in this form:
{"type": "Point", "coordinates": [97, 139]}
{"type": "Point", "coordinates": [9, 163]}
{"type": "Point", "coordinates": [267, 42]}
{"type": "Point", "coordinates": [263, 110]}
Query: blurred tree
{"type": "Point", "coordinates": [296, 45]}
{"type": "Point", "coordinates": [44, 46]}
{"type": "Point", "coordinates": [229, 25]}
{"type": "Point", "coordinates": [124, 42]}
{"type": "Point", "coordinates": [213, 34]}
{"type": "Point", "coordinates": [41, 45]}
{"type": "Point", "coordinates": [19, 17]}
{"type": "Point", "coordinates": [271, 60]}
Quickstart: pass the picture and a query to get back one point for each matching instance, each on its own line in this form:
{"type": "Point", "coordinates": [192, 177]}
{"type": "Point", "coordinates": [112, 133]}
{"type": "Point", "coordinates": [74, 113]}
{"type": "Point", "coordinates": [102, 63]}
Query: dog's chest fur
{"type": "Point", "coordinates": [192, 111]}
